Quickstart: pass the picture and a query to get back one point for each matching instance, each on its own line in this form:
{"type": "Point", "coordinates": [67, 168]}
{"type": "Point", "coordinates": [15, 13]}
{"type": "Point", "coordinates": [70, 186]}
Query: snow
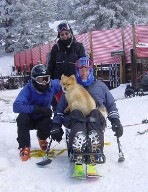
{"type": "Point", "coordinates": [6, 63]}
{"type": "Point", "coordinates": [130, 175]}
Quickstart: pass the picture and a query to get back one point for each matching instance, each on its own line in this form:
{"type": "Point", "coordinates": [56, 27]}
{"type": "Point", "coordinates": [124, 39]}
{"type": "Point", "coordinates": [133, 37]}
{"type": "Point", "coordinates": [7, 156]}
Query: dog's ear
{"type": "Point", "coordinates": [72, 77]}
{"type": "Point", "coordinates": [62, 76]}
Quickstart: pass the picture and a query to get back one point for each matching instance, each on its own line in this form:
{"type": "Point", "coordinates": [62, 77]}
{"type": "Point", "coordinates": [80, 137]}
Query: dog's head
{"type": "Point", "coordinates": [67, 83]}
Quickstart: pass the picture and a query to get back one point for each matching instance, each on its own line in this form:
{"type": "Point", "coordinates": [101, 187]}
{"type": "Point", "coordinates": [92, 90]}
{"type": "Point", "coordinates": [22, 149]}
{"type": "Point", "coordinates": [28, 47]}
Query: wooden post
{"type": "Point", "coordinates": [133, 67]}
{"type": "Point", "coordinates": [91, 49]}
{"type": "Point", "coordinates": [123, 62]}
{"type": "Point", "coordinates": [133, 58]}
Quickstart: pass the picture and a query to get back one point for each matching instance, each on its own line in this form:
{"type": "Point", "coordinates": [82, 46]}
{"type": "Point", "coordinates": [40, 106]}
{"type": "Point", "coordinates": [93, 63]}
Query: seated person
{"type": "Point", "coordinates": [85, 134]}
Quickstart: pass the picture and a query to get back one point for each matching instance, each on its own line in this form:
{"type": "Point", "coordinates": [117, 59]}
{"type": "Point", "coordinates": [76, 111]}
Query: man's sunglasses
{"type": "Point", "coordinates": [42, 79]}
{"type": "Point", "coordinates": [64, 33]}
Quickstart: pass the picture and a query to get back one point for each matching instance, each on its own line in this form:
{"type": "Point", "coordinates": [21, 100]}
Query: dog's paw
{"type": "Point", "coordinates": [67, 110]}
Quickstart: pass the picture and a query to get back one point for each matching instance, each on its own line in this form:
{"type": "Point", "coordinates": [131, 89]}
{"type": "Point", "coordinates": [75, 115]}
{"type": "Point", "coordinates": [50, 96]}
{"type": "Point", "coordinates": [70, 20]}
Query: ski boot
{"type": "Point", "coordinates": [25, 153]}
{"type": "Point", "coordinates": [94, 146]}
{"type": "Point", "coordinates": [79, 146]}
{"type": "Point", "coordinates": [43, 144]}
{"type": "Point", "coordinates": [78, 171]}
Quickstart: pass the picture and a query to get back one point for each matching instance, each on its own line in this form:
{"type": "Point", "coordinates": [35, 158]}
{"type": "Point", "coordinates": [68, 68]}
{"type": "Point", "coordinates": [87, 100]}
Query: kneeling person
{"type": "Point", "coordinates": [33, 104]}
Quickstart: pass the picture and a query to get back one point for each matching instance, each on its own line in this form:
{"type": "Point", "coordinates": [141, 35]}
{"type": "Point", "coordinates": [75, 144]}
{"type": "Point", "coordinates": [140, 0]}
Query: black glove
{"type": "Point", "coordinates": [42, 110]}
{"type": "Point", "coordinates": [56, 132]}
{"type": "Point", "coordinates": [117, 127]}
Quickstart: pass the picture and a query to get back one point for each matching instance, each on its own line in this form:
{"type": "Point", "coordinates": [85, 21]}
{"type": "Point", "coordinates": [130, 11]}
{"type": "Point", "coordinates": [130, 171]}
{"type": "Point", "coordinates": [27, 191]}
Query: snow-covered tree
{"type": "Point", "coordinates": [100, 14]}
{"type": "Point", "coordinates": [63, 11]}
{"type": "Point", "coordinates": [25, 23]}
{"type": "Point", "coordinates": [30, 24]}
{"type": "Point", "coordinates": [5, 21]}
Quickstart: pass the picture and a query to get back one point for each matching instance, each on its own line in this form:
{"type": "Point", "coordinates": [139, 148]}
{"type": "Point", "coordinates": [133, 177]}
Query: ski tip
{"type": "Point", "coordinates": [94, 176]}
{"type": "Point", "coordinates": [121, 159]}
{"type": "Point", "coordinates": [144, 121]}
{"type": "Point", "coordinates": [79, 177]}
{"type": "Point", "coordinates": [43, 163]}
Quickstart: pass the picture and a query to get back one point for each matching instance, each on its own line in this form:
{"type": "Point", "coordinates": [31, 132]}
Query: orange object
{"type": "Point", "coordinates": [43, 144]}
{"type": "Point", "coordinates": [25, 153]}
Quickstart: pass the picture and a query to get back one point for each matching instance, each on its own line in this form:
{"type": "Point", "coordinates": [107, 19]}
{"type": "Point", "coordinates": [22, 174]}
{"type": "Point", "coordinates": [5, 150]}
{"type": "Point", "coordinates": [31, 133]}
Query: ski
{"type": "Point", "coordinates": [44, 162]}
{"type": "Point", "coordinates": [144, 121]}
{"type": "Point", "coordinates": [91, 171]}
{"type": "Point", "coordinates": [142, 132]}
{"type": "Point", "coordinates": [79, 172]}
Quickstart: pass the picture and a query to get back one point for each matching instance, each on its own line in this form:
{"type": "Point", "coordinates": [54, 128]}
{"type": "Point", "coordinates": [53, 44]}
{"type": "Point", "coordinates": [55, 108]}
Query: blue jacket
{"type": "Point", "coordinates": [100, 93]}
{"type": "Point", "coordinates": [29, 97]}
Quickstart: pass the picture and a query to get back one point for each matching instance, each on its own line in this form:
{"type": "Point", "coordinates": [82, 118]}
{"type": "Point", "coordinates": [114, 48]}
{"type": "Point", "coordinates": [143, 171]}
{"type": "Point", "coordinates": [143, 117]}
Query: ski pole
{"type": "Point", "coordinates": [121, 155]}
{"type": "Point", "coordinates": [46, 161]}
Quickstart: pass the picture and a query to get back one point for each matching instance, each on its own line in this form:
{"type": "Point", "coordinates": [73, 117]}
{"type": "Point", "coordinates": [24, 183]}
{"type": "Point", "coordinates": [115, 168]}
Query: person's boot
{"type": "Point", "coordinates": [43, 144]}
{"type": "Point", "coordinates": [94, 146]}
{"type": "Point", "coordinates": [25, 153]}
{"type": "Point", "coordinates": [78, 146]}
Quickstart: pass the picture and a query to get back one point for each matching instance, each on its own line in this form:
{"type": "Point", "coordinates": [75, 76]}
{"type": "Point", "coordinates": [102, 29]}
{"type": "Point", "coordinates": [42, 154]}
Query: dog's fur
{"type": "Point", "coordinates": [77, 96]}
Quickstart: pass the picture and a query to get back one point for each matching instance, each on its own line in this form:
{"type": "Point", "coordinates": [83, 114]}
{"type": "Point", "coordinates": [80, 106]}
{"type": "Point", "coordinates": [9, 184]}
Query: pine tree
{"type": "Point", "coordinates": [96, 15]}
{"type": "Point", "coordinates": [5, 22]}
{"type": "Point", "coordinates": [29, 24]}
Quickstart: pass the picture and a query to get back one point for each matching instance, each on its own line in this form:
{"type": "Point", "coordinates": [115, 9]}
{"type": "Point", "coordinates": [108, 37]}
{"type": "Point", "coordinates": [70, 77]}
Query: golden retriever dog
{"type": "Point", "coordinates": [77, 96]}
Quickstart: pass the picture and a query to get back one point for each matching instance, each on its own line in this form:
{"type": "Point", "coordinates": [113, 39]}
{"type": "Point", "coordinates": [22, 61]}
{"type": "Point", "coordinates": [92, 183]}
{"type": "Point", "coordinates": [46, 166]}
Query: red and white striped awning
{"type": "Point", "coordinates": [141, 34]}
{"type": "Point", "coordinates": [103, 43]}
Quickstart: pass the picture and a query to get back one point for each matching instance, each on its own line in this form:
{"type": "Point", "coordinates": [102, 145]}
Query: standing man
{"type": "Point", "coordinates": [64, 55]}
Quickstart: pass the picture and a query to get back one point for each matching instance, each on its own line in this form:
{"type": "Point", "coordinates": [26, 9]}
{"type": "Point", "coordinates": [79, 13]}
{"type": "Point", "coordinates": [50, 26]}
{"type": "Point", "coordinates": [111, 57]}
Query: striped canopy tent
{"type": "Point", "coordinates": [141, 36]}
{"type": "Point", "coordinates": [103, 43]}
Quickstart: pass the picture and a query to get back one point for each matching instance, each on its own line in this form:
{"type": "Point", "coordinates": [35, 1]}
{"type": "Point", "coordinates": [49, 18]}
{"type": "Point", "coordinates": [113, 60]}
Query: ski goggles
{"type": "Point", "coordinates": [42, 79]}
{"type": "Point", "coordinates": [63, 26]}
{"type": "Point", "coordinates": [87, 63]}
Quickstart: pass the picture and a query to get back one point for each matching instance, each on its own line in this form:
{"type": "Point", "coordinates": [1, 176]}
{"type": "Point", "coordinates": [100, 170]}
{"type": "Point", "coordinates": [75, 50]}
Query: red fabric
{"type": "Point", "coordinates": [22, 60]}
{"type": "Point", "coordinates": [58, 95]}
{"type": "Point", "coordinates": [28, 59]}
{"type": "Point", "coordinates": [44, 52]}
{"type": "Point", "coordinates": [85, 39]}
{"type": "Point", "coordinates": [36, 57]}
{"type": "Point", "coordinates": [103, 43]}
{"type": "Point", "coordinates": [141, 33]}
{"type": "Point", "coordinates": [128, 43]}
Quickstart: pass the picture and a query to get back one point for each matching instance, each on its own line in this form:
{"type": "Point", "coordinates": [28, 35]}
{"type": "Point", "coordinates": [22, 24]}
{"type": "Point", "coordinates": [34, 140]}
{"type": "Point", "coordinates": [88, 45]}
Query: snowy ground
{"type": "Point", "coordinates": [6, 63]}
{"type": "Point", "coordinates": [129, 176]}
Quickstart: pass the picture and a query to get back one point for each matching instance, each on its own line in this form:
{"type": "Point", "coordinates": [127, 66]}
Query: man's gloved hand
{"type": "Point", "coordinates": [56, 132]}
{"type": "Point", "coordinates": [42, 110]}
{"type": "Point", "coordinates": [117, 127]}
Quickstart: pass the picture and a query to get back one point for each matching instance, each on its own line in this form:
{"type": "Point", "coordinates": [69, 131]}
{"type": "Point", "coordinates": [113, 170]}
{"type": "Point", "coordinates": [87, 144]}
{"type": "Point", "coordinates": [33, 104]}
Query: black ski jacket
{"type": "Point", "coordinates": [62, 59]}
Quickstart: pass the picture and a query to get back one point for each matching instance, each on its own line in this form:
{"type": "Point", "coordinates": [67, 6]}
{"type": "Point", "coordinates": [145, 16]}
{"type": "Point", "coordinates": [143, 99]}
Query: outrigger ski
{"type": "Point", "coordinates": [142, 132]}
{"type": "Point", "coordinates": [46, 160]}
